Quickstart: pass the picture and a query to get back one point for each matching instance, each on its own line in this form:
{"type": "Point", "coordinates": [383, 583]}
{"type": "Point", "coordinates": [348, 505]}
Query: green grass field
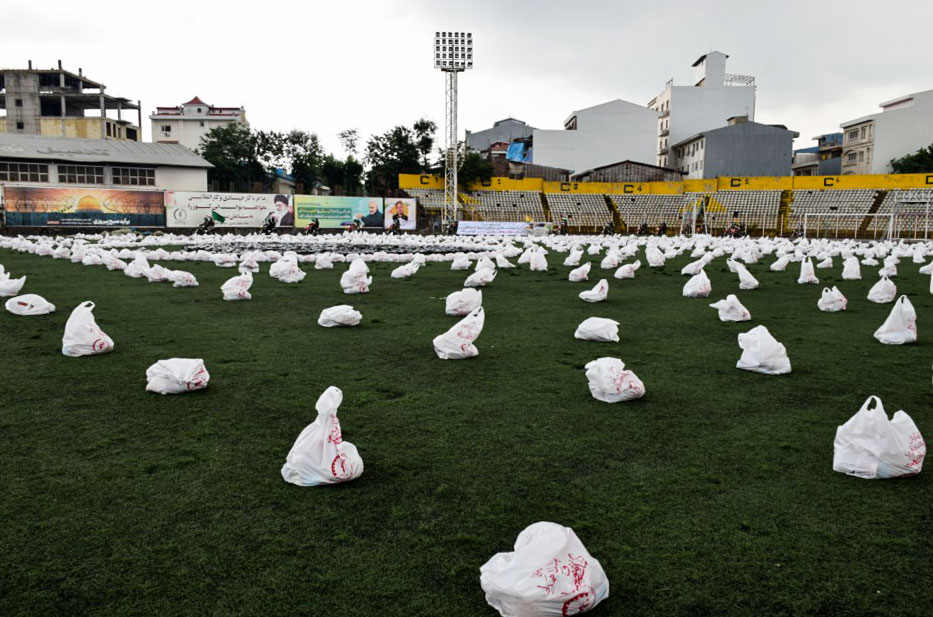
{"type": "Point", "coordinates": [713, 495]}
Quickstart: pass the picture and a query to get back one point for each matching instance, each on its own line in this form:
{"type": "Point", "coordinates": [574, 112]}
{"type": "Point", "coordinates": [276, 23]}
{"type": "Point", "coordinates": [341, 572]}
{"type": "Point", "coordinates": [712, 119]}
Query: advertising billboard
{"type": "Point", "coordinates": [32, 206]}
{"type": "Point", "coordinates": [336, 212]}
{"type": "Point", "coordinates": [404, 208]}
{"type": "Point", "coordinates": [189, 209]}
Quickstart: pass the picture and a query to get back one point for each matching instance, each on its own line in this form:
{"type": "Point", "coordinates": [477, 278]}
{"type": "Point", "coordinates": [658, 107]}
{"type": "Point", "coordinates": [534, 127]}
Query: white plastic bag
{"type": "Point", "coordinates": [480, 278]}
{"type": "Point", "coordinates": [156, 274]}
{"type": "Point", "coordinates": [883, 291]}
{"type": "Point", "coordinates": [324, 262]}
{"type": "Point", "coordinates": [578, 275]}
{"type": "Point", "coordinates": [11, 287]}
{"type": "Point", "coordinates": [698, 286]}
{"type": "Point", "coordinates": [464, 302]}
{"type": "Point", "coordinates": [851, 271]}
{"type": "Point", "coordinates": [654, 256]}
{"type": "Point", "coordinates": [320, 455]}
{"type": "Point", "coordinates": [731, 309]}
{"type": "Point", "coordinates": [901, 325]}
{"type": "Point", "coordinates": [484, 263]}
{"type": "Point", "coordinates": [538, 263]}
{"type": "Point", "coordinates": [807, 274]}
{"type": "Point", "coordinates": [598, 329]}
{"type": "Point", "coordinates": [82, 336]}
{"type": "Point", "coordinates": [549, 573]}
{"type": "Point", "coordinates": [180, 278]}
{"type": "Point", "coordinates": [761, 353]}
{"type": "Point", "coordinates": [404, 271]}
{"type": "Point", "coordinates": [611, 383]}
{"type": "Point", "coordinates": [825, 263]}
{"type": "Point", "coordinates": [340, 315]}
{"type": "Point", "coordinates": [502, 262]}
{"type": "Point", "coordinates": [354, 280]}
{"type": "Point", "coordinates": [627, 271]}
{"type": "Point", "coordinates": [457, 343]}
{"type": "Point", "coordinates": [138, 267]}
{"type": "Point", "coordinates": [176, 376]}
{"type": "Point", "coordinates": [237, 288]}
{"type": "Point", "coordinates": [781, 264]}
{"type": "Point", "coordinates": [460, 262]}
{"type": "Point", "coordinates": [597, 294]}
{"type": "Point", "coordinates": [832, 300]}
{"type": "Point", "coordinates": [870, 446]}
{"type": "Point", "coordinates": [574, 258]}
{"type": "Point", "coordinates": [29, 304]}
{"type": "Point", "coordinates": [746, 280]}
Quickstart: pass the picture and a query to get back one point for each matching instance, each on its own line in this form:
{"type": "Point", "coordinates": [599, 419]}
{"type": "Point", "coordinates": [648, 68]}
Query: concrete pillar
{"type": "Point", "coordinates": [62, 98]}
{"type": "Point", "coordinates": [103, 114]}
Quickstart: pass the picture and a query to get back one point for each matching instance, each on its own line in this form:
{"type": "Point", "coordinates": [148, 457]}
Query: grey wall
{"type": "Point", "coordinates": [830, 167]}
{"type": "Point", "coordinates": [748, 149]}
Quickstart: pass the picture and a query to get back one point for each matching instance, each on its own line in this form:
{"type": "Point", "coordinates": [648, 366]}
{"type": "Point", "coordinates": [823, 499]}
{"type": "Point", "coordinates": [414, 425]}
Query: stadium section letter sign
{"type": "Point", "coordinates": [336, 212]}
{"type": "Point", "coordinates": [189, 209]}
{"type": "Point", "coordinates": [29, 206]}
{"type": "Point", "coordinates": [405, 207]}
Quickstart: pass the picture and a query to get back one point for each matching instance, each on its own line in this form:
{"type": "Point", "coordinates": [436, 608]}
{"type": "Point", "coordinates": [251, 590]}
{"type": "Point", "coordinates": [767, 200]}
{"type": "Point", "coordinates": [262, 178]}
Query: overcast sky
{"type": "Point", "coordinates": [328, 66]}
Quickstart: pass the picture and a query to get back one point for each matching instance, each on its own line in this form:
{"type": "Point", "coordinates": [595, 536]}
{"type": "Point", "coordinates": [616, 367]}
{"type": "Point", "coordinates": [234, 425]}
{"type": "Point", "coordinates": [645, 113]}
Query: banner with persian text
{"type": "Point", "coordinates": [31, 206]}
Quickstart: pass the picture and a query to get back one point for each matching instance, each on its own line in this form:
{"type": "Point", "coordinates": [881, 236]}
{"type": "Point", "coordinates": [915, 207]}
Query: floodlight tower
{"type": "Point", "coordinates": [453, 53]}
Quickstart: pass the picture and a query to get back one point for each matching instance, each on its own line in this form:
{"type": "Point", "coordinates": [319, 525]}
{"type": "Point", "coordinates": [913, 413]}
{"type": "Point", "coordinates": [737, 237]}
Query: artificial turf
{"type": "Point", "coordinates": [712, 495]}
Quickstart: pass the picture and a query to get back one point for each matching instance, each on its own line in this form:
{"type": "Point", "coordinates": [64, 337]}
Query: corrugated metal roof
{"type": "Point", "coordinates": [36, 147]}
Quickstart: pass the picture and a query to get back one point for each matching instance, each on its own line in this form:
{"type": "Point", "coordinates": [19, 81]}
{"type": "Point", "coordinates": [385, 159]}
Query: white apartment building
{"type": "Point", "coordinates": [595, 136]}
{"type": "Point", "coordinates": [684, 111]}
{"type": "Point", "coordinates": [185, 124]}
{"type": "Point", "coordinates": [904, 125]}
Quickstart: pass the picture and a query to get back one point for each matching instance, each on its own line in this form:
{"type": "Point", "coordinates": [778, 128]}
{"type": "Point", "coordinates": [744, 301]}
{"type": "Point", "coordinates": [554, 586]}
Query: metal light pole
{"type": "Point", "coordinates": [453, 53]}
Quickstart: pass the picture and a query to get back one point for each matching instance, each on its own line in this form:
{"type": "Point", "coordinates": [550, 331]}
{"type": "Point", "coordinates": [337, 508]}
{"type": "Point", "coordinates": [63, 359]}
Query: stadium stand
{"type": "Point", "coordinates": [581, 210]}
{"type": "Point", "coordinates": [430, 199]}
{"type": "Point", "coordinates": [506, 205]}
{"type": "Point", "coordinates": [911, 220]}
{"type": "Point", "coordinates": [651, 209]}
{"type": "Point", "coordinates": [852, 202]}
{"type": "Point", "coordinates": [756, 208]}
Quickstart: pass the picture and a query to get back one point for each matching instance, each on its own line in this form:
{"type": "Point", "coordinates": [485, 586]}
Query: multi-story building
{"type": "Point", "coordinates": [830, 154]}
{"type": "Point", "coordinates": [502, 130]}
{"type": "Point", "coordinates": [806, 161]}
{"type": "Point", "coordinates": [687, 110]}
{"type": "Point", "coordinates": [185, 124]}
{"type": "Point", "coordinates": [57, 103]}
{"type": "Point", "coordinates": [57, 162]}
{"type": "Point", "coordinates": [599, 135]}
{"type": "Point", "coordinates": [741, 148]}
{"type": "Point", "coordinates": [871, 142]}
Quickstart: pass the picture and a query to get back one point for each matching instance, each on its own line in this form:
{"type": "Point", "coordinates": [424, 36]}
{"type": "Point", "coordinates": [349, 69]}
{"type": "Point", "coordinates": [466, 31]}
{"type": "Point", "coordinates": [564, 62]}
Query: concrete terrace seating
{"type": "Point", "coordinates": [651, 209]}
{"type": "Point", "coordinates": [506, 205]}
{"type": "Point", "coordinates": [432, 199]}
{"type": "Point", "coordinates": [852, 201]}
{"type": "Point", "coordinates": [581, 210]}
{"type": "Point", "coordinates": [911, 220]}
{"type": "Point", "coordinates": [759, 208]}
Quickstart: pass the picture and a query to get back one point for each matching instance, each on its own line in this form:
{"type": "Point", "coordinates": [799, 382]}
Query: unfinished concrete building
{"type": "Point", "coordinates": [58, 103]}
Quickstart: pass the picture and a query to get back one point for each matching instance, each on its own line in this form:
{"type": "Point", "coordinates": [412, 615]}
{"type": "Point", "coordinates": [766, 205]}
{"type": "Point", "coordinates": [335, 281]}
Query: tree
{"type": "Point", "coordinates": [474, 169]}
{"type": "Point", "coordinates": [424, 140]}
{"type": "Point", "coordinates": [388, 155]}
{"type": "Point", "coordinates": [304, 157]}
{"type": "Point", "coordinates": [348, 139]}
{"type": "Point", "coordinates": [232, 150]}
{"type": "Point", "coordinates": [921, 162]}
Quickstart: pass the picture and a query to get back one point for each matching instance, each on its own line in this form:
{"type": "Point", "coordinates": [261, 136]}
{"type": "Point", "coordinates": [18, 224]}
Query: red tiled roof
{"type": "Point", "coordinates": [195, 101]}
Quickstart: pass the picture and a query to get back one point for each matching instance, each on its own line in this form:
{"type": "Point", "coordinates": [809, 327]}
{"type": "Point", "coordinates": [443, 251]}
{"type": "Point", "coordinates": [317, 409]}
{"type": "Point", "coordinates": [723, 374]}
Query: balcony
{"type": "Point", "coordinates": [662, 150]}
{"type": "Point", "coordinates": [664, 133]}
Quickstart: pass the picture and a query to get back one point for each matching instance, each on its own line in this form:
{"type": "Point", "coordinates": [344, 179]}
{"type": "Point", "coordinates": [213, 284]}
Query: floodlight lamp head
{"type": "Point", "coordinates": [453, 51]}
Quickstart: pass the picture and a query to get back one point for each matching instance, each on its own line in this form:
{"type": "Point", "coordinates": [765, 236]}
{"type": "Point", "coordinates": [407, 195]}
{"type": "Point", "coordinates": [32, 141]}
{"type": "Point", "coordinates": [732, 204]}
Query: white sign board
{"type": "Point", "coordinates": [189, 209]}
{"type": "Point", "coordinates": [492, 228]}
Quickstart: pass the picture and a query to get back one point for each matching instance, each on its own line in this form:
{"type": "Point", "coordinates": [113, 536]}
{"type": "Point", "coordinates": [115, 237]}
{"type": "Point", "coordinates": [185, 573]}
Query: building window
{"type": "Point", "coordinates": [20, 126]}
{"type": "Point", "coordinates": [134, 176]}
{"type": "Point", "coordinates": [166, 128]}
{"type": "Point", "coordinates": [109, 130]}
{"type": "Point", "coordinates": [851, 157]}
{"type": "Point", "coordinates": [80, 174]}
{"type": "Point", "coordinates": [852, 135]}
{"type": "Point", "coordinates": [23, 172]}
{"type": "Point", "coordinates": [202, 123]}
{"type": "Point", "coordinates": [18, 102]}
{"type": "Point", "coordinates": [862, 135]}
{"type": "Point", "coordinates": [861, 156]}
